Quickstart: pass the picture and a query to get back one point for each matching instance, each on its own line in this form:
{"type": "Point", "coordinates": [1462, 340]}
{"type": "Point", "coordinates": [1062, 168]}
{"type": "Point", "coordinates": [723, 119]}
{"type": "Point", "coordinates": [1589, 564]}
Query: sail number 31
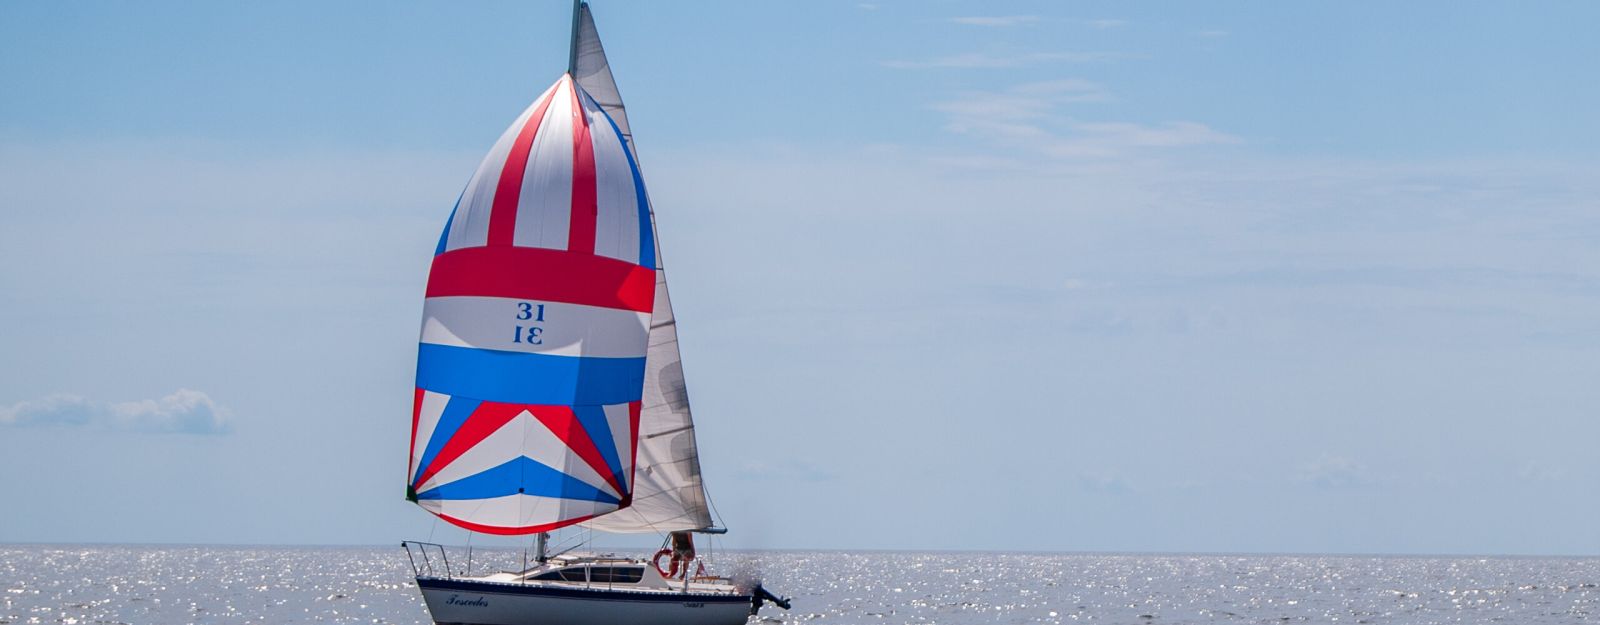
{"type": "Point", "coordinates": [533, 313]}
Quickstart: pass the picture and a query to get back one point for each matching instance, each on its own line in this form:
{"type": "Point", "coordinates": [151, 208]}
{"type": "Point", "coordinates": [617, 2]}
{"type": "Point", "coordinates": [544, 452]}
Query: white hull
{"type": "Point", "coordinates": [473, 602]}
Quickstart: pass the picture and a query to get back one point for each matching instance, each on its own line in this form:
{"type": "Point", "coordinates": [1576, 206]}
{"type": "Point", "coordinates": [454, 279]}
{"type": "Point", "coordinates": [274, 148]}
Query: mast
{"type": "Point", "coordinates": [572, 53]}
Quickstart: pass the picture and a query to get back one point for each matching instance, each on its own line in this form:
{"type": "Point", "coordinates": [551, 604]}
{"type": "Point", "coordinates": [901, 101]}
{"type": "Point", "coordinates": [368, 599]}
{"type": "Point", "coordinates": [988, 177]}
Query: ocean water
{"type": "Point", "coordinates": [179, 584]}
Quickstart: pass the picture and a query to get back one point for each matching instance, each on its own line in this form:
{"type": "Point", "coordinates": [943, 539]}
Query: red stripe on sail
{"type": "Point", "coordinates": [416, 414]}
{"type": "Point", "coordinates": [513, 531]}
{"type": "Point", "coordinates": [479, 425]}
{"type": "Point", "coordinates": [508, 190]}
{"type": "Point", "coordinates": [580, 237]}
{"type": "Point", "coordinates": [633, 438]}
{"type": "Point", "coordinates": [564, 424]}
{"type": "Point", "coordinates": [536, 273]}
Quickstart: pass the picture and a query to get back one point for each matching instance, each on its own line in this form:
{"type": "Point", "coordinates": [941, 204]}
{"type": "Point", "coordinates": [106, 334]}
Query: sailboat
{"type": "Point", "coordinates": [550, 392]}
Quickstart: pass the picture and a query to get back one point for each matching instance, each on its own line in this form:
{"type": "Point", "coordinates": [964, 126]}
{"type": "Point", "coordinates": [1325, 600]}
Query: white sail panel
{"type": "Point", "coordinates": [547, 176]}
{"type": "Point", "coordinates": [668, 494]}
{"type": "Point", "coordinates": [569, 329]}
{"type": "Point", "coordinates": [620, 219]}
{"type": "Point", "coordinates": [513, 510]}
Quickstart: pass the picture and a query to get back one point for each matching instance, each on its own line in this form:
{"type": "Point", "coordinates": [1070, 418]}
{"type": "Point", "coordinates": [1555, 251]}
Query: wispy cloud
{"type": "Point", "coordinates": [982, 60]}
{"type": "Point", "coordinates": [1536, 472]}
{"type": "Point", "coordinates": [1330, 471]}
{"type": "Point", "coordinates": [1168, 134]}
{"type": "Point", "coordinates": [1103, 481]}
{"type": "Point", "coordinates": [1106, 24]}
{"type": "Point", "coordinates": [1030, 101]}
{"type": "Point", "coordinates": [1002, 21]}
{"type": "Point", "coordinates": [184, 411]}
{"type": "Point", "coordinates": [1031, 116]}
{"type": "Point", "coordinates": [1009, 21]}
{"type": "Point", "coordinates": [793, 469]}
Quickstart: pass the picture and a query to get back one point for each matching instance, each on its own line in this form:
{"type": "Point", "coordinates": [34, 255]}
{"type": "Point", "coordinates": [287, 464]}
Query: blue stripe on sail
{"type": "Point", "coordinates": [593, 419]}
{"type": "Point", "coordinates": [445, 236]}
{"type": "Point", "coordinates": [647, 235]}
{"type": "Point", "coordinates": [521, 475]}
{"type": "Point", "coordinates": [523, 378]}
{"type": "Point", "coordinates": [455, 413]}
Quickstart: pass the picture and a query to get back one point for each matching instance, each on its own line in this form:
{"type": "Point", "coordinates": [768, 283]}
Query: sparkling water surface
{"type": "Point", "coordinates": [208, 584]}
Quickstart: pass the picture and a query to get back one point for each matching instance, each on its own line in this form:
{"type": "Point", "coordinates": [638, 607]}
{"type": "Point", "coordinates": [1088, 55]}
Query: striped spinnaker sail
{"type": "Point", "coordinates": [536, 325]}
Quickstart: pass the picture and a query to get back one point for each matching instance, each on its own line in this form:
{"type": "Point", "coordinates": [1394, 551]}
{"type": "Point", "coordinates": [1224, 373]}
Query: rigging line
{"type": "Point", "coordinates": [671, 431]}
{"type": "Point", "coordinates": [706, 493]}
{"type": "Point", "coordinates": [474, 514]}
{"type": "Point", "coordinates": [654, 406]}
{"type": "Point", "coordinates": [668, 463]}
{"type": "Point", "coordinates": [659, 493]}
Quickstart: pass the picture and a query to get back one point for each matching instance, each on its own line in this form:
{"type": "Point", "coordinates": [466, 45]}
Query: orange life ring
{"type": "Point", "coordinates": [667, 573]}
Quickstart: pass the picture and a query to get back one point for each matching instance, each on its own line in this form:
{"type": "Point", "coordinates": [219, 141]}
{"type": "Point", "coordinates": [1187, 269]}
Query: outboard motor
{"type": "Point", "coordinates": [759, 595]}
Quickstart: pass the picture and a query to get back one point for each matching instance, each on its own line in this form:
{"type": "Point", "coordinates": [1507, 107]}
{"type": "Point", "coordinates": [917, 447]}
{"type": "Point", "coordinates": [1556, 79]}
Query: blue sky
{"type": "Point", "coordinates": [1087, 276]}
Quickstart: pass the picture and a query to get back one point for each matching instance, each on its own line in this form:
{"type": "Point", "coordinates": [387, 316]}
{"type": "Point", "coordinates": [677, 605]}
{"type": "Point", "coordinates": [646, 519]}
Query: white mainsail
{"type": "Point", "coordinates": [591, 69]}
{"type": "Point", "coordinates": [668, 494]}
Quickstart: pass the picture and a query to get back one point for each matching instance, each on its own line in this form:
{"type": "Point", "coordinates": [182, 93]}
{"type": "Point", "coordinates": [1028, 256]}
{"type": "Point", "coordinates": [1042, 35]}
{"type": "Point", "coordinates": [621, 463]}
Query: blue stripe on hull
{"type": "Point", "coordinates": [521, 378]}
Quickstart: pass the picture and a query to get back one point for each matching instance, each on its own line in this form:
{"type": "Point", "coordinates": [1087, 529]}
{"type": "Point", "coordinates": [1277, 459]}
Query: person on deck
{"type": "Point", "coordinates": [682, 551]}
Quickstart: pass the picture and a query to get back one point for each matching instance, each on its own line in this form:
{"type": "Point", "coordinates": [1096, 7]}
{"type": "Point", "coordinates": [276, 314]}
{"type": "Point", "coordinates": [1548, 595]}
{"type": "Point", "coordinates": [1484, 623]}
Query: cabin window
{"type": "Point", "coordinates": [564, 575]}
{"type": "Point", "coordinates": [617, 574]}
{"type": "Point", "coordinates": [573, 574]}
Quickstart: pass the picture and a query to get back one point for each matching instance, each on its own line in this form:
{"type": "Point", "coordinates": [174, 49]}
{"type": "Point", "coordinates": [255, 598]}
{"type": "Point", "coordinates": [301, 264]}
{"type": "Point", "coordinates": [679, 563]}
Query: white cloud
{"type": "Point", "coordinates": [1537, 472]}
{"type": "Point", "coordinates": [791, 469]}
{"type": "Point", "coordinates": [1009, 21]}
{"type": "Point", "coordinates": [1030, 117]}
{"type": "Point", "coordinates": [981, 60]}
{"type": "Point", "coordinates": [1330, 471]}
{"type": "Point", "coordinates": [1024, 102]}
{"type": "Point", "coordinates": [50, 410]}
{"type": "Point", "coordinates": [1168, 134]}
{"type": "Point", "coordinates": [184, 411]}
{"type": "Point", "coordinates": [1003, 21]}
{"type": "Point", "coordinates": [1103, 481]}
